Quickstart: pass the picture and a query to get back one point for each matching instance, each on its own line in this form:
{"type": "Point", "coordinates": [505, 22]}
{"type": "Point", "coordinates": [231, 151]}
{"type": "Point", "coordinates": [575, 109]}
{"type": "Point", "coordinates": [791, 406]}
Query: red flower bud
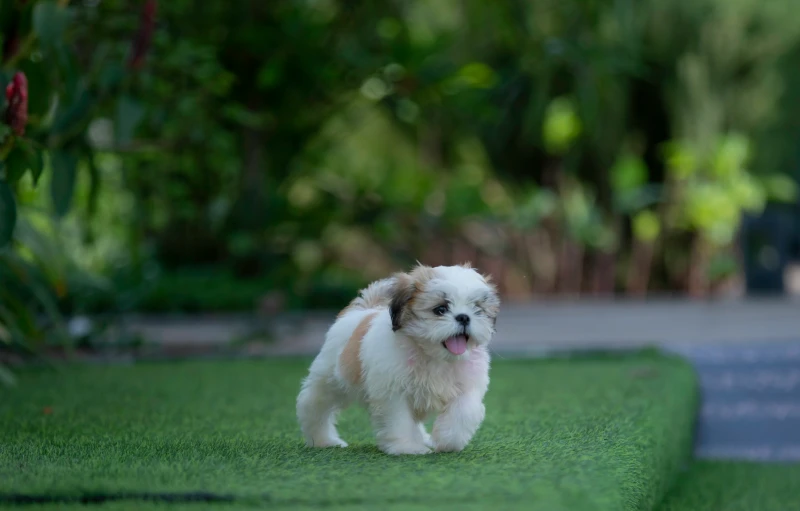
{"type": "Point", "coordinates": [17, 99]}
{"type": "Point", "coordinates": [144, 36]}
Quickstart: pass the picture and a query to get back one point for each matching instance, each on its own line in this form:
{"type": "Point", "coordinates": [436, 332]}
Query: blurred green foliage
{"type": "Point", "coordinates": [304, 147]}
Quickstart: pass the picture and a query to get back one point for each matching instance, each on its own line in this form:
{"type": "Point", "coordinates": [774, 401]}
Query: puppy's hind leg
{"type": "Point", "coordinates": [318, 404]}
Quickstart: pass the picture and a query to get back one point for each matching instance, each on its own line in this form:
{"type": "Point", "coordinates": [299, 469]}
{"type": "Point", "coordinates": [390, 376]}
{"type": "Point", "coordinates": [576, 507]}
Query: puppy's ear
{"type": "Point", "coordinates": [491, 305]}
{"type": "Point", "coordinates": [491, 301]}
{"type": "Point", "coordinates": [402, 292]}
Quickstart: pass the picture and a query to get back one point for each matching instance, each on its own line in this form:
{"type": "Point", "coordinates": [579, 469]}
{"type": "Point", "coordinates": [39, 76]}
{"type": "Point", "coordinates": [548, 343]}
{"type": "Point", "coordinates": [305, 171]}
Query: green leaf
{"type": "Point", "coordinates": [129, 113]}
{"type": "Point", "coordinates": [241, 115]}
{"type": "Point", "coordinates": [680, 158]}
{"type": "Point", "coordinates": [389, 28]}
{"type": "Point", "coordinates": [561, 125]}
{"type": "Point", "coordinates": [781, 188]}
{"type": "Point", "coordinates": [18, 314]}
{"type": "Point", "coordinates": [40, 91]}
{"type": "Point", "coordinates": [642, 197]}
{"type": "Point", "coordinates": [16, 165]}
{"type": "Point", "coordinates": [49, 21]}
{"type": "Point", "coordinates": [646, 226]}
{"type": "Point", "coordinates": [628, 173]}
{"type": "Point", "coordinates": [478, 75]}
{"type": "Point", "coordinates": [62, 187]}
{"type": "Point", "coordinates": [70, 72]}
{"type": "Point", "coordinates": [731, 155]}
{"type": "Point", "coordinates": [45, 251]}
{"type": "Point", "coordinates": [73, 114]}
{"type": "Point", "coordinates": [48, 301]}
{"type": "Point", "coordinates": [269, 75]}
{"type": "Point", "coordinates": [110, 77]}
{"type": "Point", "coordinates": [94, 183]}
{"type": "Point", "coordinates": [21, 159]}
{"type": "Point", "coordinates": [37, 165]}
{"type": "Point", "coordinates": [748, 193]}
{"type": "Point", "coordinates": [540, 204]}
{"type": "Point", "coordinates": [8, 214]}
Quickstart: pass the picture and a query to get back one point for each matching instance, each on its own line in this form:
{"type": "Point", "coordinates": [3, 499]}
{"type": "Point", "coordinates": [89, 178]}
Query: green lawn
{"type": "Point", "coordinates": [729, 486]}
{"type": "Point", "coordinates": [590, 433]}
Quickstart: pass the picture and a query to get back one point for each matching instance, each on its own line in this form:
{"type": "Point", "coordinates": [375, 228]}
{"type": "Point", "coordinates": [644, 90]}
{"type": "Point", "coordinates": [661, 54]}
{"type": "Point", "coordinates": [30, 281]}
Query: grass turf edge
{"type": "Point", "coordinates": [637, 366]}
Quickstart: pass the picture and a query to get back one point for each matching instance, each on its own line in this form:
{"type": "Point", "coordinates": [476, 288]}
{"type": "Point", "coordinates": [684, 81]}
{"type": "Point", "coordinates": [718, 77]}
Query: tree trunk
{"type": "Point", "coordinates": [603, 281]}
{"type": "Point", "coordinates": [570, 267]}
{"type": "Point", "coordinates": [697, 282]}
{"type": "Point", "coordinates": [639, 268]}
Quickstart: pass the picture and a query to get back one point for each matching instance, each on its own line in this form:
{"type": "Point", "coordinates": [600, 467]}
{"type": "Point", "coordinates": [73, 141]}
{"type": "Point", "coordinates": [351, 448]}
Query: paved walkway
{"type": "Point", "coordinates": [751, 400]}
{"type": "Point", "coordinates": [523, 329]}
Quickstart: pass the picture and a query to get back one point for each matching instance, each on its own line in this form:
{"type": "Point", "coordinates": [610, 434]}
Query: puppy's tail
{"type": "Point", "coordinates": [377, 294]}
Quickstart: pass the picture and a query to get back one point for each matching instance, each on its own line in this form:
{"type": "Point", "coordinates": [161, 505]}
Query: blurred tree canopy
{"type": "Point", "coordinates": [299, 148]}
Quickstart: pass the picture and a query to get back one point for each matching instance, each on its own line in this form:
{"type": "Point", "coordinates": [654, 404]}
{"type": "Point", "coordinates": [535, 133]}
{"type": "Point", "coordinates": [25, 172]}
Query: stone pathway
{"type": "Point", "coordinates": [751, 400]}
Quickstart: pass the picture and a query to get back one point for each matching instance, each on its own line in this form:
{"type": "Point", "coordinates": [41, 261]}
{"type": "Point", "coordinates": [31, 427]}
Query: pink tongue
{"type": "Point", "coordinates": [456, 345]}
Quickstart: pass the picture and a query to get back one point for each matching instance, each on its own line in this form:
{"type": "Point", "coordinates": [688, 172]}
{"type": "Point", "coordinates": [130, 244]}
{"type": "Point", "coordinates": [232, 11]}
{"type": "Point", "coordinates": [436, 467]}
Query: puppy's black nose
{"type": "Point", "coordinates": [463, 319]}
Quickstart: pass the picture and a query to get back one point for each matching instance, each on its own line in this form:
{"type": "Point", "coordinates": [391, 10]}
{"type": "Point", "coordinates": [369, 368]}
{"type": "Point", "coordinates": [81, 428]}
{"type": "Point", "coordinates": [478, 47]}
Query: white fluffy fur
{"type": "Point", "coordinates": [407, 374]}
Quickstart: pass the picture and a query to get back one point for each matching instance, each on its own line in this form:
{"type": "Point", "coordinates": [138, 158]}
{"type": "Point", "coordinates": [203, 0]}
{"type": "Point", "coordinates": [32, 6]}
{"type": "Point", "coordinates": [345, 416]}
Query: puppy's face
{"type": "Point", "coordinates": [447, 311]}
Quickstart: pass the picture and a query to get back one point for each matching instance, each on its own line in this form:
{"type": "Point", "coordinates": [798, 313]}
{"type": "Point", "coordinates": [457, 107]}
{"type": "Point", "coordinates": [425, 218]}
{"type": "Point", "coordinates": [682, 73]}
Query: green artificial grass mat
{"type": "Point", "coordinates": [735, 486]}
{"type": "Point", "coordinates": [606, 432]}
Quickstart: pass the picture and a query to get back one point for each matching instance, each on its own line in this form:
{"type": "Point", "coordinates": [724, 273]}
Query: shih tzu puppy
{"type": "Point", "coordinates": [407, 347]}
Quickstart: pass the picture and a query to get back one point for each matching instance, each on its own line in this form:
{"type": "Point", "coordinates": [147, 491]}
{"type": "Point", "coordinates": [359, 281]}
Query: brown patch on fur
{"type": "Point", "coordinates": [350, 359]}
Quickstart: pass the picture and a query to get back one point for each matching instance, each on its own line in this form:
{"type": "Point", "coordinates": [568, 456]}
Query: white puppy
{"type": "Point", "coordinates": [407, 347]}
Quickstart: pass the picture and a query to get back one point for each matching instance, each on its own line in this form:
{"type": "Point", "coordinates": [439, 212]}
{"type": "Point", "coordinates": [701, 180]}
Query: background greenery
{"type": "Point", "coordinates": [207, 156]}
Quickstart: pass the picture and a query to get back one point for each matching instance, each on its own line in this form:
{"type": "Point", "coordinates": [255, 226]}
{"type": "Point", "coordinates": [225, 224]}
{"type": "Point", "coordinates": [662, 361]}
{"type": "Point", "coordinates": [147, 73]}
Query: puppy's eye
{"type": "Point", "coordinates": [440, 310]}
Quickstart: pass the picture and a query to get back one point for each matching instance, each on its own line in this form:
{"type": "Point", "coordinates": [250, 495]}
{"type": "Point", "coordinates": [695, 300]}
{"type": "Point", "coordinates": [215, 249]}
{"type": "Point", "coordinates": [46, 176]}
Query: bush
{"type": "Point", "coordinates": [303, 149]}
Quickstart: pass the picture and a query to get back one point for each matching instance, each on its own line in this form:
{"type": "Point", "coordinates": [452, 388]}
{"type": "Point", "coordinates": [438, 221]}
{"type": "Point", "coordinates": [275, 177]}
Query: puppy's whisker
{"type": "Point", "coordinates": [495, 354]}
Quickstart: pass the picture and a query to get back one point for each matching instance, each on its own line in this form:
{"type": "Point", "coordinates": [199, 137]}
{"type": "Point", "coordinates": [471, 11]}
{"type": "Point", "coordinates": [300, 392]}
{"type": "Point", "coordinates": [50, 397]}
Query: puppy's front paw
{"type": "Point", "coordinates": [454, 429]}
{"type": "Point", "coordinates": [326, 442]}
{"type": "Point", "coordinates": [450, 439]}
{"type": "Point", "coordinates": [450, 446]}
{"type": "Point", "coordinates": [401, 448]}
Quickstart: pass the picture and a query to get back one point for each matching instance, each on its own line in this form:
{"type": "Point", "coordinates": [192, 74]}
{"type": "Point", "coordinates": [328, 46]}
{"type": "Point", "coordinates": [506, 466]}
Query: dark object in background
{"type": "Point", "coordinates": [769, 243]}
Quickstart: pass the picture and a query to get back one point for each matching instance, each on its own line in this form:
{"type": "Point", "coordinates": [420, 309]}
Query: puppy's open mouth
{"type": "Point", "coordinates": [457, 344]}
